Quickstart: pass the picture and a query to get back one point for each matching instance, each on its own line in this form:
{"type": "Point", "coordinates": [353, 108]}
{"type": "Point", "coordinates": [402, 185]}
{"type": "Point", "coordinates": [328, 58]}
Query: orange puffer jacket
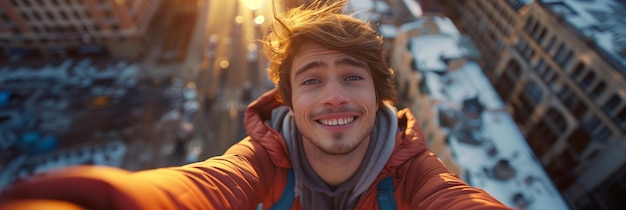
{"type": "Point", "coordinates": [252, 171]}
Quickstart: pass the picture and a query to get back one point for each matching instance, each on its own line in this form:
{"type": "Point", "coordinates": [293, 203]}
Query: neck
{"type": "Point", "coordinates": [335, 169]}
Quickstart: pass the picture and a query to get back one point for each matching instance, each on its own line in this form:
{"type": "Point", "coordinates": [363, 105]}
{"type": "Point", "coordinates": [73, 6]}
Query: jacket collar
{"type": "Point", "coordinates": [409, 140]}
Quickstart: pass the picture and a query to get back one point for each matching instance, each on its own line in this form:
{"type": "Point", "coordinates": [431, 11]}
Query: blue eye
{"type": "Point", "coordinates": [310, 82]}
{"type": "Point", "coordinates": [354, 77]}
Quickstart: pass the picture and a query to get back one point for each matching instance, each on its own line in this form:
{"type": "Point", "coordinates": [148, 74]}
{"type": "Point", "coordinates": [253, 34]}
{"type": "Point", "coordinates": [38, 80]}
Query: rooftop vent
{"type": "Point", "coordinates": [447, 117]}
{"type": "Point", "coordinates": [503, 170]}
{"type": "Point", "coordinates": [471, 112]}
{"type": "Point", "coordinates": [472, 107]}
{"type": "Point", "coordinates": [520, 200]}
{"type": "Point", "coordinates": [468, 136]}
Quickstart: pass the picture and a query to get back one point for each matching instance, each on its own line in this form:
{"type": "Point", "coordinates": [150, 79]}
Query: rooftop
{"type": "Point", "coordinates": [483, 138]}
{"type": "Point", "coordinates": [602, 22]}
{"type": "Point", "coordinates": [439, 43]}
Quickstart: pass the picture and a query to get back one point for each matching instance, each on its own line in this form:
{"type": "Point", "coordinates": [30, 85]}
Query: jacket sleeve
{"type": "Point", "coordinates": [436, 188]}
{"type": "Point", "coordinates": [235, 180]}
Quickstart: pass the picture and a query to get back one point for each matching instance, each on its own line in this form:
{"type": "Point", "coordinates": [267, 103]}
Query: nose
{"type": "Point", "coordinates": [334, 95]}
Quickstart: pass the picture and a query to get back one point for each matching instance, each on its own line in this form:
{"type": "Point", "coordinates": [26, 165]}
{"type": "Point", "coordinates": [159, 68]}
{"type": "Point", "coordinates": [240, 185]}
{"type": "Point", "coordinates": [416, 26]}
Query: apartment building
{"type": "Point", "coordinates": [560, 67]}
{"type": "Point", "coordinates": [60, 28]}
{"type": "Point", "coordinates": [463, 118]}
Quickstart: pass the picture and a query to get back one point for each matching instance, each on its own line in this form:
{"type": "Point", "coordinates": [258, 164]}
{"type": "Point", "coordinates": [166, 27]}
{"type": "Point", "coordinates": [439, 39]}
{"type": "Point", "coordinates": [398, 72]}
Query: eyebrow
{"type": "Point", "coordinates": [350, 62]}
{"type": "Point", "coordinates": [309, 66]}
{"type": "Point", "coordinates": [343, 61]}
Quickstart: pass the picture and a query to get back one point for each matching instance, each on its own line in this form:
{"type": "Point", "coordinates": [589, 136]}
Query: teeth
{"type": "Point", "coordinates": [340, 121]}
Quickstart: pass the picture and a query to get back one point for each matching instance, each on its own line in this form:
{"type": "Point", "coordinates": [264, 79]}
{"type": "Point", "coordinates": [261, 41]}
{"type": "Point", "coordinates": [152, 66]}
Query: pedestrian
{"type": "Point", "coordinates": [328, 137]}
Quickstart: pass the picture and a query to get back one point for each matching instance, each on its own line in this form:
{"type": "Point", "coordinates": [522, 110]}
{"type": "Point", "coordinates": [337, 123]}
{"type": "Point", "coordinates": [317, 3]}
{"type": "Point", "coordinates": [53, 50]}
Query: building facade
{"type": "Point", "coordinates": [560, 67]}
{"type": "Point", "coordinates": [463, 119]}
{"type": "Point", "coordinates": [62, 28]}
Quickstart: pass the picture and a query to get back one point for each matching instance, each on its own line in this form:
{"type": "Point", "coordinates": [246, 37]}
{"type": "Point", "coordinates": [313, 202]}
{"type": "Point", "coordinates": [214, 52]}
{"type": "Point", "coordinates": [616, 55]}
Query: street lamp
{"type": "Point", "coordinates": [224, 64]}
{"type": "Point", "coordinates": [259, 19]}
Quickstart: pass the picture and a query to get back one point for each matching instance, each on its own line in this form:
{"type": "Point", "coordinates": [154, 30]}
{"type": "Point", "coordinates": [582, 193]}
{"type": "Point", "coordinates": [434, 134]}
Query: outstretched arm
{"type": "Point", "coordinates": [233, 180]}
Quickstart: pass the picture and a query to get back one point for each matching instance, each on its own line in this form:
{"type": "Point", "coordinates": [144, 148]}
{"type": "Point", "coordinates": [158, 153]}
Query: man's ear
{"type": "Point", "coordinates": [291, 111]}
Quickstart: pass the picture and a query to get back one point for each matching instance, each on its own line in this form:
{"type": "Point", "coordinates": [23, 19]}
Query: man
{"type": "Point", "coordinates": [326, 138]}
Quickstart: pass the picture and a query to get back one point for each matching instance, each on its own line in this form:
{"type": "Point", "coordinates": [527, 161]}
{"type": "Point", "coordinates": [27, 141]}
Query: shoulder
{"type": "Point", "coordinates": [425, 182]}
{"type": "Point", "coordinates": [409, 142]}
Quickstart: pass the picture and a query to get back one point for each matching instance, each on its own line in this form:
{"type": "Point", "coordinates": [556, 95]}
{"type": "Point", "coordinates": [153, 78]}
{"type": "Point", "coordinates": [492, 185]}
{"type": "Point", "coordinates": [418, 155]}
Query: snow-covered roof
{"type": "Point", "coordinates": [367, 9]}
{"type": "Point", "coordinates": [388, 30]}
{"type": "Point", "coordinates": [413, 7]}
{"type": "Point", "coordinates": [600, 21]}
{"type": "Point", "coordinates": [483, 138]}
{"type": "Point", "coordinates": [497, 134]}
{"type": "Point", "coordinates": [72, 71]}
{"type": "Point", "coordinates": [359, 5]}
{"type": "Point", "coordinates": [440, 42]}
{"type": "Point", "coordinates": [431, 50]}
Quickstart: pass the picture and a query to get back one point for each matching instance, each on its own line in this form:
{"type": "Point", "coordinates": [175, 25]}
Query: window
{"type": "Point", "coordinates": [571, 101]}
{"type": "Point", "coordinates": [533, 92]}
{"type": "Point", "coordinates": [559, 51]}
{"type": "Point", "coordinates": [524, 109]}
{"type": "Point", "coordinates": [38, 16]}
{"type": "Point", "coordinates": [578, 70]}
{"type": "Point", "coordinates": [76, 14]}
{"type": "Point", "coordinates": [514, 70]}
{"type": "Point", "coordinates": [63, 16]}
{"type": "Point", "coordinates": [522, 47]}
{"type": "Point", "coordinates": [597, 90]}
{"type": "Point", "coordinates": [564, 62]}
{"type": "Point", "coordinates": [541, 35]}
{"type": "Point", "coordinates": [579, 140]}
{"type": "Point", "coordinates": [25, 16]}
{"type": "Point", "coordinates": [534, 28]}
{"type": "Point", "coordinates": [549, 76]}
{"type": "Point", "coordinates": [556, 121]}
{"type": "Point", "coordinates": [596, 130]}
{"type": "Point", "coordinates": [540, 67]}
{"type": "Point", "coordinates": [50, 16]}
{"type": "Point", "coordinates": [540, 138]}
{"type": "Point", "coordinates": [506, 83]}
{"type": "Point", "coordinates": [621, 117]}
{"type": "Point", "coordinates": [612, 103]}
{"type": "Point", "coordinates": [587, 80]}
{"type": "Point", "coordinates": [550, 44]}
{"type": "Point", "coordinates": [528, 24]}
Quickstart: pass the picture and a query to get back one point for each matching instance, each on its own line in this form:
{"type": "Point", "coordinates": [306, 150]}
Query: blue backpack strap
{"type": "Point", "coordinates": [288, 196]}
{"type": "Point", "coordinates": [386, 200]}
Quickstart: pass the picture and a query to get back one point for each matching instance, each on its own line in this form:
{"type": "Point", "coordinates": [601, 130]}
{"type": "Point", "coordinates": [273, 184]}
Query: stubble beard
{"type": "Point", "coordinates": [339, 144]}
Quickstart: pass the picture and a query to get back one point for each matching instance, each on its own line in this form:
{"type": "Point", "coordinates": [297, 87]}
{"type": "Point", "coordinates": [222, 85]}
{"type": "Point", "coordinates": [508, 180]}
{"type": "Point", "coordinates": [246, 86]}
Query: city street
{"type": "Point", "coordinates": [183, 102]}
{"type": "Point", "coordinates": [225, 74]}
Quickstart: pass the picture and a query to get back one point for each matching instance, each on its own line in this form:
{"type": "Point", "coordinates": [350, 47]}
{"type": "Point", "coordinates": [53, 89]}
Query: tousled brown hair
{"type": "Point", "coordinates": [326, 24]}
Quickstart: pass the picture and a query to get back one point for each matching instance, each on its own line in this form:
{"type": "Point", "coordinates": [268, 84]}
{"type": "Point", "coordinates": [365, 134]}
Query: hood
{"type": "Point", "coordinates": [257, 124]}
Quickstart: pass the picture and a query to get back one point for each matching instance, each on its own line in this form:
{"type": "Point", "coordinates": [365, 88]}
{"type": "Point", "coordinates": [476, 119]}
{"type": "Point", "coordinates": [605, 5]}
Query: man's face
{"type": "Point", "coordinates": [333, 97]}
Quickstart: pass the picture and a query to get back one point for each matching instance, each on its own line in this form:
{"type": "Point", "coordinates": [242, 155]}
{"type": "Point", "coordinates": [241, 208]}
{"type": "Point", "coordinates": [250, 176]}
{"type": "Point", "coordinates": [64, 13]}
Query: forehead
{"type": "Point", "coordinates": [312, 50]}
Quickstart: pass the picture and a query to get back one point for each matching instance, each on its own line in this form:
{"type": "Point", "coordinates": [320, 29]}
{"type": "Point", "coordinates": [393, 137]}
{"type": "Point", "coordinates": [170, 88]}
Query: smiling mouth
{"type": "Point", "coordinates": [337, 121]}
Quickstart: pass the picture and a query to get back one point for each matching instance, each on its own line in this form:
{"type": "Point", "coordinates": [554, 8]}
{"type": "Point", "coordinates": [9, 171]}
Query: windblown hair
{"type": "Point", "coordinates": [326, 24]}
